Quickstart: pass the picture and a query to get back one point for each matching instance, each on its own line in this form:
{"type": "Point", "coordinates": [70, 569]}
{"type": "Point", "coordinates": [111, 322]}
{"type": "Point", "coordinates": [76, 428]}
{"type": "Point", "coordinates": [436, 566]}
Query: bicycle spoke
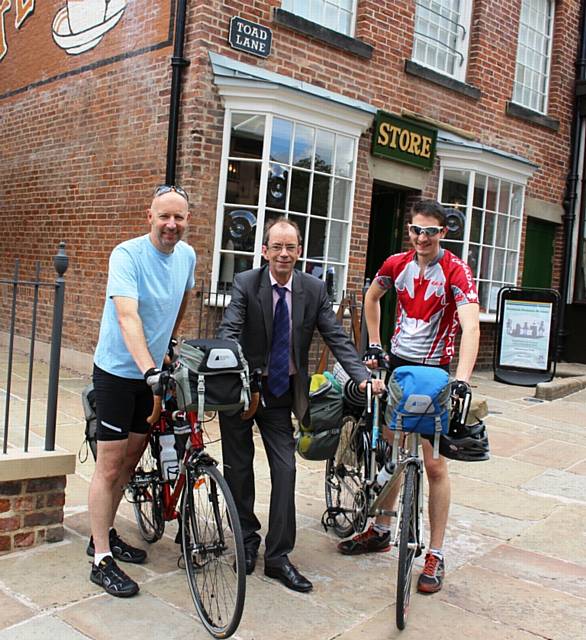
{"type": "Point", "coordinates": [213, 551]}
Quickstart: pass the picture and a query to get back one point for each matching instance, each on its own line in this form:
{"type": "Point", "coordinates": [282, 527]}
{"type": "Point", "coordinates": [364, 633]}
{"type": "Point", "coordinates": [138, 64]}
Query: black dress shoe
{"type": "Point", "coordinates": [290, 577]}
{"type": "Point", "coordinates": [250, 560]}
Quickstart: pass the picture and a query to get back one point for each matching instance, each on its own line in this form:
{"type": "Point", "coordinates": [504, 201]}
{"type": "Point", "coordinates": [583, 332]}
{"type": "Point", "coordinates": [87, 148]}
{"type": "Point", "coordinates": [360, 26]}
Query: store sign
{"type": "Point", "coordinates": [250, 37]}
{"type": "Point", "coordinates": [402, 140]}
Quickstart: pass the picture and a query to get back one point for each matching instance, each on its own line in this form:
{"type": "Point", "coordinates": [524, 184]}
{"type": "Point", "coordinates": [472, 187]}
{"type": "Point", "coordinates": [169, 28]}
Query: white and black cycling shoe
{"type": "Point", "coordinates": [120, 550]}
{"type": "Point", "coordinates": [107, 574]}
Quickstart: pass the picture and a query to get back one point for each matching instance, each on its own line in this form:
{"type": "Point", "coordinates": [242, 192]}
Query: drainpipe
{"type": "Point", "coordinates": [177, 64]}
{"type": "Point", "coordinates": [572, 185]}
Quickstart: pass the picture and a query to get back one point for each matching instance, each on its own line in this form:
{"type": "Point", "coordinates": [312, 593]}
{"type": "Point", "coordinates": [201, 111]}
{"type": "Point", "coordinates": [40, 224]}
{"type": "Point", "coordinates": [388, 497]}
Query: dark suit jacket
{"type": "Point", "coordinates": [249, 319]}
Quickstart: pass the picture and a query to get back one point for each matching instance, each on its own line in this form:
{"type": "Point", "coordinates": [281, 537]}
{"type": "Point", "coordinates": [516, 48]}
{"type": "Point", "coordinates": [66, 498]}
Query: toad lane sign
{"type": "Point", "coordinates": [250, 37]}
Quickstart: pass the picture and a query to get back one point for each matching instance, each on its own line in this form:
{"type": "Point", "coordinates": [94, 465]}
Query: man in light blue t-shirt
{"type": "Point", "coordinates": [149, 279]}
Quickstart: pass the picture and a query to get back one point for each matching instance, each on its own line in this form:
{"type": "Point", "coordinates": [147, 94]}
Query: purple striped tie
{"type": "Point", "coordinates": [278, 379]}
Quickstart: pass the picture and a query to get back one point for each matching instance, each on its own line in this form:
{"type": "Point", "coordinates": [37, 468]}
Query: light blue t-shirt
{"type": "Point", "coordinates": [158, 281]}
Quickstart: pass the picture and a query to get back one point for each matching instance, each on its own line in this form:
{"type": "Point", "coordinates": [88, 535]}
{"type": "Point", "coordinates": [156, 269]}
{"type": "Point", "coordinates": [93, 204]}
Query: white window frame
{"type": "Point", "coordinates": [538, 76]}
{"type": "Point", "coordinates": [316, 10]}
{"type": "Point", "coordinates": [426, 42]}
{"type": "Point", "coordinates": [477, 161]}
{"type": "Point", "coordinates": [272, 101]}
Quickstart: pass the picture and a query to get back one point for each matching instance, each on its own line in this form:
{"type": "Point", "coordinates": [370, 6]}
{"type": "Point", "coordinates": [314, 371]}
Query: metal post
{"type": "Point", "coordinates": [10, 353]}
{"type": "Point", "coordinates": [60, 262]}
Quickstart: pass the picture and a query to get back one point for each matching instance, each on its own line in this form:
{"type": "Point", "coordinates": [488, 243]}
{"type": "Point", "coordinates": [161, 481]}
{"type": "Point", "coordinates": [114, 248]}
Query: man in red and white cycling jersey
{"type": "Point", "coordinates": [435, 295]}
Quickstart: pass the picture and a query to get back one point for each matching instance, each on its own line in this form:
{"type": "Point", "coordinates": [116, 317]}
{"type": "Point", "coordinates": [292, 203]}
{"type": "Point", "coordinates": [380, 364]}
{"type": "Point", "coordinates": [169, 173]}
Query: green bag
{"type": "Point", "coordinates": [319, 440]}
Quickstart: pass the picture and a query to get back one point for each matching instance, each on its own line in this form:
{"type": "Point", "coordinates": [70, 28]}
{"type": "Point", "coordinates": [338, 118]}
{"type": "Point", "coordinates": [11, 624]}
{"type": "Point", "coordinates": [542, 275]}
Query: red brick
{"type": "Point", "coordinates": [5, 543]}
{"type": "Point", "coordinates": [54, 534]}
{"type": "Point", "coordinates": [10, 488]}
{"type": "Point", "coordinates": [45, 484]}
{"type": "Point", "coordinates": [43, 518]}
{"type": "Point", "coordinates": [4, 505]}
{"type": "Point", "coordinates": [55, 499]}
{"type": "Point", "coordinates": [24, 539]}
{"type": "Point", "coordinates": [9, 524]}
{"type": "Point", "coordinates": [26, 503]}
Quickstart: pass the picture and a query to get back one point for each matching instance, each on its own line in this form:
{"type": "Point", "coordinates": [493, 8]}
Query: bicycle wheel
{"type": "Point", "coordinates": [213, 550]}
{"type": "Point", "coordinates": [408, 542]}
{"type": "Point", "coordinates": [344, 481]}
{"type": "Point", "coordinates": [144, 492]}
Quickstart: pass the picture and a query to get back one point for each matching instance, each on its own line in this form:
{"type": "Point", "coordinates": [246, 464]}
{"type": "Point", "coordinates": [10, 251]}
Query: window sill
{"type": "Point", "coordinates": [415, 69]}
{"type": "Point", "coordinates": [329, 36]}
{"type": "Point", "coordinates": [517, 111]}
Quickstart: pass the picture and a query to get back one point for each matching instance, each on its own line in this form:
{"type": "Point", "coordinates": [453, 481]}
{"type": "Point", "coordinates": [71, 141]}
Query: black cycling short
{"type": "Point", "coordinates": [122, 405]}
{"type": "Point", "coordinates": [396, 361]}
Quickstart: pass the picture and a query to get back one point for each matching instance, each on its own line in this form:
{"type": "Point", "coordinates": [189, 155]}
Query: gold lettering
{"type": "Point", "coordinates": [383, 134]}
{"type": "Point", "coordinates": [393, 142]}
{"type": "Point", "coordinates": [4, 8]}
{"type": "Point", "coordinates": [404, 140]}
{"type": "Point", "coordinates": [426, 147]}
{"type": "Point", "coordinates": [24, 8]}
{"type": "Point", "coordinates": [415, 143]}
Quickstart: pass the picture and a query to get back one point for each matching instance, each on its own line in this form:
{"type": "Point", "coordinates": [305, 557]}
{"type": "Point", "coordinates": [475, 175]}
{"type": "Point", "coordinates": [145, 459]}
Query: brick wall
{"type": "Point", "coordinates": [31, 512]}
{"type": "Point", "coordinates": [80, 155]}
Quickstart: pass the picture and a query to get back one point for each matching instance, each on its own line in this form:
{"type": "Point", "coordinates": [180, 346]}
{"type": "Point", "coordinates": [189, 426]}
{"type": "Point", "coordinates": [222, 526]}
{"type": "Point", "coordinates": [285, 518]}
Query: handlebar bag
{"type": "Point", "coordinates": [212, 375]}
{"type": "Point", "coordinates": [319, 439]}
{"type": "Point", "coordinates": [418, 400]}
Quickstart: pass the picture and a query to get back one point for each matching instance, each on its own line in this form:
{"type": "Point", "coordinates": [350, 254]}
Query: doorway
{"type": "Point", "coordinates": [539, 245]}
{"type": "Point", "coordinates": [385, 238]}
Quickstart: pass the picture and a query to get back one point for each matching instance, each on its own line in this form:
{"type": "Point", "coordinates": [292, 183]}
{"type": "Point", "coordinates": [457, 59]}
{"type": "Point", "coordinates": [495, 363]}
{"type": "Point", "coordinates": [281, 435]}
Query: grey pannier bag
{"type": "Point", "coordinates": [212, 375]}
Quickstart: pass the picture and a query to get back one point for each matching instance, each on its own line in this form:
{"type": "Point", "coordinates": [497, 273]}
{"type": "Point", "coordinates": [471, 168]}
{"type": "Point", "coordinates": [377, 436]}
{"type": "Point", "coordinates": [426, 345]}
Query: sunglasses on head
{"type": "Point", "coordinates": [428, 231]}
{"type": "Point", "coordinates": [167, 188]}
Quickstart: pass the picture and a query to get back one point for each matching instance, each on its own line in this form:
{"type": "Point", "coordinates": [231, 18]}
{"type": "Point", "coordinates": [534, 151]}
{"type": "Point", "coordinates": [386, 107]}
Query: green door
{"type": "Point", "coordinates": [384, 239]}
{"type": "Point", "coordinates": [539, 245]}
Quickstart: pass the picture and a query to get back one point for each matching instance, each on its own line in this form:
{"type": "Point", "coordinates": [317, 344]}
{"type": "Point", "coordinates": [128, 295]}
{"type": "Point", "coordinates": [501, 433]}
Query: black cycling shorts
{"type": "Point", "coordinates": [122, 405]}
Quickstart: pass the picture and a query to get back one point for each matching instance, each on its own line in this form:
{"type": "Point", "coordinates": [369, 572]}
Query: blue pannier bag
{"type": "Point", "coordinates": [419, 400]}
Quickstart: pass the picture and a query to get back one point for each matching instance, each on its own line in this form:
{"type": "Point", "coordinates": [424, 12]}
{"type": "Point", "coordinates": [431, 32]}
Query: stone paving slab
{"type": "Point", "coordinates": [12, 610]}
{"type": "Point", "coordinates": [561, 535]}
{"type": "Point", "coordinates": [560, 484]}
{"type": "Point", "coordinates": [46, 627]}
{"type": "Point", "coordinates": [506, 443]}
{"type": "Point", "coordinates": [485, 523]}
{"type": "Point", "coordinates": [552, 453]}
{"type": "Point", "coordinates": [578, 468]}
{"type": "Point", "coordinates": [514, 602]}
{"type": "Point", "coordinates": [498, 470]}
{"type": "Point", "coordinates": [507, 501]}
{"type": "Point", "coordinates": [535, 567]}
{"type": "Point", "coordinates": [105, 618]}
{"type": "Point", "coordinates": [433, 619]}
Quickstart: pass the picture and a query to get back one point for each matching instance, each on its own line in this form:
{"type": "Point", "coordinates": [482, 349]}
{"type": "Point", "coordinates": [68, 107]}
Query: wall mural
{"type": "Point", "coordinates": [78, 26]}
{"type": "Point", "coordinates": [81, 24]}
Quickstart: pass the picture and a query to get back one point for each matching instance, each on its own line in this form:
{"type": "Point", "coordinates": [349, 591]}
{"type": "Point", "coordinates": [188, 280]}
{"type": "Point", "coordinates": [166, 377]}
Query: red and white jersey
{"type": "Point", "coordinates": [427, 304]}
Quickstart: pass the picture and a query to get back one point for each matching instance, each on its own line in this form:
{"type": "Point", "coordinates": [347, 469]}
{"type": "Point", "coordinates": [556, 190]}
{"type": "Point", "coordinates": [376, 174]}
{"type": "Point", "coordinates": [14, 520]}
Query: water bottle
{"type": "Point", "coordinates": [384, 475]}
{"type": "Point", "coordinates": [169, 462]}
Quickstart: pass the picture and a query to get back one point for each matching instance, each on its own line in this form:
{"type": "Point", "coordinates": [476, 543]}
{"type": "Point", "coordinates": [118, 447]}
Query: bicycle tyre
{"type": "Point", "coordinates": [147, 498]}
{"type": "Point", "coordinates": [344, 480]}
{"type": "Point", "coordinates": [408, 541]}
{"type": "Point", "coordinates": [213, 550]}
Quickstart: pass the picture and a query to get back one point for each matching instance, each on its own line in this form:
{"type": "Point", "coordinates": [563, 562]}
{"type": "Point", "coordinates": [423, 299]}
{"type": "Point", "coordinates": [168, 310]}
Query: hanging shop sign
{"type": "Point", "coordinates": [402, 140]}
{"type": "Point", "coordinates": [526, 333]}
{"type": "Point", "coordinates": [250, 37]}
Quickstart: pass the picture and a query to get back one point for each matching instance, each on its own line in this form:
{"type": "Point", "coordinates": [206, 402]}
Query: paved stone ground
{"type": "Point", "coordinates": [516, 567]}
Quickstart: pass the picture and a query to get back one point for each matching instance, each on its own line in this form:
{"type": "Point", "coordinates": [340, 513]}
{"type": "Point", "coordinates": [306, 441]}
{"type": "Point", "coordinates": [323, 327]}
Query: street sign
{"type": "Point", "coordinates": [250, 37]}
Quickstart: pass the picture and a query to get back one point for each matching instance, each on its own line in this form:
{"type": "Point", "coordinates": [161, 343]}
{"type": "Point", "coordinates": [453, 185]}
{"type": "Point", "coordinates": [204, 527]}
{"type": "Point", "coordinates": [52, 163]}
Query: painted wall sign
{"type": "Point", "coordinates": [402, 140]}
{"type": "Point", "coordinates": [41, 42]}
{"type": "Point", "coordinates": [250, 37]}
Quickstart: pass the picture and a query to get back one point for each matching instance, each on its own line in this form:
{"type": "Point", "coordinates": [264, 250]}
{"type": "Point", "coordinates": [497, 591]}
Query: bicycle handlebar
{"type": "Point", "coordinates": [158, 398]}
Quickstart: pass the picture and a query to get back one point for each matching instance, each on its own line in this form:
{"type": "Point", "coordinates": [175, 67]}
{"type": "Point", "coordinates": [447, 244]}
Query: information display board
{"type": "Point", "coordinates": [526, 336]}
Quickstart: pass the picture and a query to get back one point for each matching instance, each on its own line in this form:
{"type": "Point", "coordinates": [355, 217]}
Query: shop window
{"type": "Point", "coordinates": [534, 54]}
{"type": "Point", "coordinates": [485, 215]}
{"type": "Point", "coordinates": [337, 15]}
{"type": "Point", "coordinates": [275, 166]}
{"type": "Point", "coordinates": [441, 34]}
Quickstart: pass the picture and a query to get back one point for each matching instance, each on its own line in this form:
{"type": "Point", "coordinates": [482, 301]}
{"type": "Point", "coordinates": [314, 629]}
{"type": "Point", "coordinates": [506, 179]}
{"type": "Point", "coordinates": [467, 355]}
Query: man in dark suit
{"type": "Point", "coordinates": [273, 314]}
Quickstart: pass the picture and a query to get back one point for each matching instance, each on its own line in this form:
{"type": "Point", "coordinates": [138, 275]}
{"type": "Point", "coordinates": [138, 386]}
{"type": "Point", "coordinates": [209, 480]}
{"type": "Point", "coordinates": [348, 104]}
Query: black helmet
{"type": "Point", "coordinates": [468, 443]}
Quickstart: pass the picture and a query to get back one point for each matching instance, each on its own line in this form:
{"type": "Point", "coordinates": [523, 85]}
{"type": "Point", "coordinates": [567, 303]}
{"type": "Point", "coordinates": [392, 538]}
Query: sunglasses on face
{"type": "Point", "coordinates": [167, 188]}
{"type": "Point", "coordinates": [430, 232]}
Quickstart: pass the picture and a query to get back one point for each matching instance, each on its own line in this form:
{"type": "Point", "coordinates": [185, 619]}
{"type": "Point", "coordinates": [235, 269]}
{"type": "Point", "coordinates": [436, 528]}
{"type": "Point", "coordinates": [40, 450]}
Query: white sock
{"type": "Point", "coordinates": [382, 528]}
{"type": "Point", "coordinates": [98, 557]}
{"type": "Point", "coordinates": [437, 553]}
